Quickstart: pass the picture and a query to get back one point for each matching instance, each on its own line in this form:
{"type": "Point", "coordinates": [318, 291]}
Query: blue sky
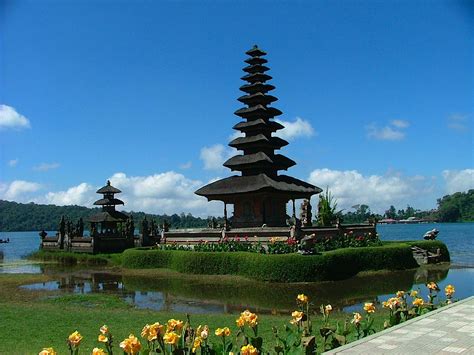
{"type": "Point", "coordinates": [376, 96]}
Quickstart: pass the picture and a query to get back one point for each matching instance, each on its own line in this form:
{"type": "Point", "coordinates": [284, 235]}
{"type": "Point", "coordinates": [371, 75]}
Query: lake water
{"type": "Point", "coordinates": [214, 295]}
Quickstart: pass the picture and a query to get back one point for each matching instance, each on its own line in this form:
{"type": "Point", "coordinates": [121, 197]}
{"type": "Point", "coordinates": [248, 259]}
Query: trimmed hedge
{"type": "Point", "coordinates": [333, 265]}
{"type": "Point", "coordinates": [71, 258]}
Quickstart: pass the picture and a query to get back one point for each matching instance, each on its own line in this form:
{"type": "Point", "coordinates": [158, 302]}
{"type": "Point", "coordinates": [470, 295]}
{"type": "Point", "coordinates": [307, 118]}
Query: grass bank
{"type": "Point", "coordinates": [332, 265]}
{"type": "Point", "coordinates": [70, 258]}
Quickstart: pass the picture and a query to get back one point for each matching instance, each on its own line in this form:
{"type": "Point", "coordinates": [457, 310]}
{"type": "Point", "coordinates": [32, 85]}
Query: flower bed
{"type": "Point", "coordinates": [296, 337]}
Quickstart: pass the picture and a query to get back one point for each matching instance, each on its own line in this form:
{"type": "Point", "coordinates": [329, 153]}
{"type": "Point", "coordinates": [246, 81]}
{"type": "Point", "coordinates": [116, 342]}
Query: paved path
{"type": "Point", "coordinates": [449, 330]}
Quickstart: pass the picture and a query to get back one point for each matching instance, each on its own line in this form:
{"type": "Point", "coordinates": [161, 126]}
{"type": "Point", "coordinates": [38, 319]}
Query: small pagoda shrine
{"type": "Point", "coordinates": [259, 194]}
{"type": "Point", "coordinates": [109, 218]}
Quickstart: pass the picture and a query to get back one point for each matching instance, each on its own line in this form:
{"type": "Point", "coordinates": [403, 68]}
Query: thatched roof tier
{"type": "Point", "coordinates": [108, 216]}
{"type": "Point", "coordinates": [256, 68]}
{"type": "Point", "coordinates": [255, 52]}
{"type": "Point", "coordinates": [258, 111]}
{"type": "Point", "coordinates": [256, 61]}
{"type": "Point", "coordinates": [258, 141]}
{"type": "Point", "coordinates": [260, 159]}
{"type": "Point", "coordinates": [108, 189]}
{"type": "Point", "coordinates": [258, 98]}
{"type": "Point", "coordinates": [256, 77]}
{"type": "Point", "coordinates": [235, 185]}
{"type": "Point", "coordinates": [256, 87]}
{"type": "Point", "coordinates": [108, 202]}
{"type": "Point", "coordinates": [258, 125]}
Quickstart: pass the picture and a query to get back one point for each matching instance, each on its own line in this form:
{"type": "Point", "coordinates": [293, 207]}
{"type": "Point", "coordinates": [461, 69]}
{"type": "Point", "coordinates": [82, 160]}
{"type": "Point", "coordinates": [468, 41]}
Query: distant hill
{"type": "Point", "coordinates": [30, 216]}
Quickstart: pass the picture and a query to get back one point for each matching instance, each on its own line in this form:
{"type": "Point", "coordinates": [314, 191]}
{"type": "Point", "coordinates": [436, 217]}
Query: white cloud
{"type": "Point", "coordinates": [46, 166]}
{"type": "Point", "coordinates": [350, 188]}
{"type": "Point", "coordinates": [392, 132]}
{"type": "Point", "coordinates": [296, 129]}
{"type": "Point", "coordinates": [458, 180]}
{"type": "Point", "coordinates": [400, 123]}
{"type": "Point", "coordinates": [10, 118]}
{"type": "Point", "coordinates": [18, 190]}
{"type": "Point", "coordinates": [12, 163]}
{"type": "Point", "coordinates": [168, 192]}
{"type": "Point", "coordinates": [186, 165]}
{"type": "Point", "coordinates": [82, 195]}
{"type": "Point", "coordinates": [458, 122]}
{"type": "Point", "coordinates": [214, 156]}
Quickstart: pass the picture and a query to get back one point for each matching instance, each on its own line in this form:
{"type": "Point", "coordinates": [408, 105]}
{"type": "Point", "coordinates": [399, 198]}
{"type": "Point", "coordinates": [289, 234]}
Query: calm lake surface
{"type": "Point", "coordinates": [216, 295]}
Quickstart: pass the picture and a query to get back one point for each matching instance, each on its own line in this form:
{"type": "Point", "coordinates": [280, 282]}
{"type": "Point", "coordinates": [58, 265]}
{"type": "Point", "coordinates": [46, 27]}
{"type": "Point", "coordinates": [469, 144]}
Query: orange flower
{"type": "Point", "coordinates": [297, 317]}
{"type": "Point", "coordinates": [97, 351]}
{"type": "Point", "coordinates": [432, 286]}
{"type": "Point", "coordinates": [174, 325]}
{"type": "Point", "coordinates": [104, 329]}
{"type": "Point", "coordinates": [47, 351]}
{"type": "Point", "coordinates": [171, 338]}
{"type": "Point", "coordinates": [369, 307]}
{"type": "Point", "coordinates": [400, 294]}
{"type": "Point", "coordinates": [102, 338]}
{"type": "Point", "coordinates": [131, 345]}
{"type": "Point", "coordinates": [449, 290]}
{"type": "Point", "coordinates": [248, 350]}
{"type": "Point", "coordinates": [418, 302]}
{"type": "Point", "coordinates": [356, 319]}
{"type": "Point", "coordinates": [302, 298]}
{"type": "Point", "coordinates": [240, 322]}
{"type": "Point", "coordinates": [222, 332]}
{"type": "Point", "coordinates": [74, 339]}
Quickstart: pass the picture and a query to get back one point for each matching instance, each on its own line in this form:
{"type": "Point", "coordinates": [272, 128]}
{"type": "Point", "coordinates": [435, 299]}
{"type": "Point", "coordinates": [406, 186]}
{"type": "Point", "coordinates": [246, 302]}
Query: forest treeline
{"type": "Point", "coordinates": [458, 207]}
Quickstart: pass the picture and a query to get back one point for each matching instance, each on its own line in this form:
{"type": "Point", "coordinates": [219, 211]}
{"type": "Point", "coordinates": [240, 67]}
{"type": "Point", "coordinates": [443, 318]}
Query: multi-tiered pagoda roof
{"type": "Point", "coordinates": [108, 203]}
{"type": "Point", "coordinates": [258, 163]}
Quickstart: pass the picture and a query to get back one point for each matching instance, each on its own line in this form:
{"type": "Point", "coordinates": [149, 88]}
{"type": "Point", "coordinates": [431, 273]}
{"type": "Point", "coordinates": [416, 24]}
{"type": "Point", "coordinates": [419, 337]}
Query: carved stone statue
{"type": "Point", "coordinates": [306, 246]}
{"type": "Point", "coordinates": [306, 215]}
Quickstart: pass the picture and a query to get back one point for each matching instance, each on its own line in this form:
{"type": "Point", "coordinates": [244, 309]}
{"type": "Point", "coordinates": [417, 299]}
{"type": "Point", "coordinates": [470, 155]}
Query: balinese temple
{"type": "Point", "coordinates": [109, 218]}
{"type": "Point", "coordinates": [259, 194]}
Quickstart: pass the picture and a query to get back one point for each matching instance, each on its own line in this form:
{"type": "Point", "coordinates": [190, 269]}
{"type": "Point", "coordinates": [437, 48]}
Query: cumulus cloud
{"type": "Point", "coordinates": [458, 180]}
{"type": "Point", "coordinates": [214, 156]}
{"type": "Point", "coordinates": [46, 166]}
{"type": "Point", "coordinates": [82, 195]}
{"type": "Point", "coordinates": [350, 188]}
{"type": "Point", "coordinates": [296, 129]}
{"type": "Point", "coordinates": [168, 192]}
{"type": "Point", "coordinates": [18, 190]}
{"type": "Point", "coordinates": [458, 122]}
{"type": "Point", "coordinates": [10, 118]}
{"type": "Point", "coordinates": [392, 132]}
{"type": "Point", "coordinates": [12, 163]}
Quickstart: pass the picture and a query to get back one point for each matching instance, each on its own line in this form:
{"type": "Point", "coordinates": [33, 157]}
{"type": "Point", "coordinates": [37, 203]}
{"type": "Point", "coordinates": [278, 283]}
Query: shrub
{"type": "Point", "coordinates": [333, 265]}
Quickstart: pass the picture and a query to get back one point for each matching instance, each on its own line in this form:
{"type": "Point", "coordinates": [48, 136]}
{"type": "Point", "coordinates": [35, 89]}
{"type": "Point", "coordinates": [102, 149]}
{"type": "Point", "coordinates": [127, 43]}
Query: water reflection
{"type": "Point", "coordinates": [185, 295]}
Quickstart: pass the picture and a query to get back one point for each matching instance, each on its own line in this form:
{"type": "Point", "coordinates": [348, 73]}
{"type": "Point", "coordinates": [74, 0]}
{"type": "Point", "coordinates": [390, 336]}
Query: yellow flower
{"type": "Point", "coordinates": [369, 307]}
{"type": "Point", "coordinates": [327, 309]}
{"type": "Point", "coordinates": [174, 325]}
{"type": "Point", "coordinates": [391, 303]}
{"type": "Point", "coordinates": [302, 298]}
{"type": "Point", "coordinates": [197, 343]}
{"type": "Point", "coordinates": [413, 293]}
{"type": "Point", "coordinates": [247, 317]}
{"type": "Point", "coordinates": [432, 286]}
{"type": "Point", "coordinates": [418, 302]}
{"type": "Point", "coordinates": [449, 290]}
{"type": "Point", "coordinates": [297, 317]}
{"type": "Point", "coordinates": [171, 338]}
{"type": "Point", "coordinates": [102, 338]}
{"type": "Point", "coordinates": [273, 240]}
{"type": "Point", "coordinates": [74, 339]}
{"type": "Point", "coordinates": [400, 294]}
{"type": "Point", "coordinates": [248, 350]}
{"type": "Point", "coordinates": [145, 331]}
{"type": "Point", "coordinates": [222, 332]}
{"type": "Point", "coordinates": [104, 329]}
{"type": "Point", "coordinates": [97, 351]}
{"type": "Point", "coordinates": [356, 319]}
{"type": "Point", "coordinates": [131, 345]}
{"type": "Point", "coordinates": [203, 331]}
{"type": "Point", "coordinates": [48, 351]}
{"type": "Point", "coordinates": [152, 332]}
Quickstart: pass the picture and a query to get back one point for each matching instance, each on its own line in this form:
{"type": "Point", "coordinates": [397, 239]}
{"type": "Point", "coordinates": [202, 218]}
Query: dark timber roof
{"type": "Point", "coordinates": [108, 201]}
{"type": "Point", "coordinates": [108, 189]}
{"type": "Point", "coordinates": [259, 163]}
{"type": "Point", "coordinates": [108, 216]}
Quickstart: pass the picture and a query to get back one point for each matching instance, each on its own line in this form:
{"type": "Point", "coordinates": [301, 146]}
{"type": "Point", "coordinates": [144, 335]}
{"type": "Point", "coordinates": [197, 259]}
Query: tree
{"type": "Point", "coordinates": [391, 212]}
{"type": "Point", "coordinates": [327, 210]}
